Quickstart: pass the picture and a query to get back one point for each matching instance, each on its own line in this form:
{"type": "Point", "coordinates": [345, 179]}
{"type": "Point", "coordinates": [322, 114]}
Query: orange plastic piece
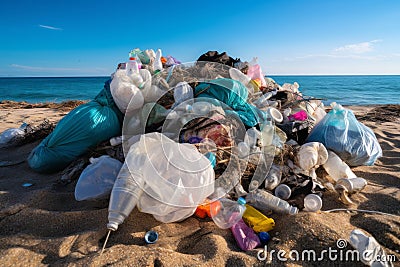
{"type": "Point", "coordinates": [204, 210]}
{"type": "Point", "coordinates": [163, 60]}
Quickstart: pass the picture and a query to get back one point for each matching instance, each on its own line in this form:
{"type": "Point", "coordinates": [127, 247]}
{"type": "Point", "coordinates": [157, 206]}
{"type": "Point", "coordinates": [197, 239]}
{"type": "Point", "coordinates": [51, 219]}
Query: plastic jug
{"type": "Point", "coordinates": [245, 236]}
{"type": "Point", "coordinates": [229, 213]}
{"type": "Point", "coordinates": [256, 220]}
{"type": "Point", "coordinates": [265, 201]}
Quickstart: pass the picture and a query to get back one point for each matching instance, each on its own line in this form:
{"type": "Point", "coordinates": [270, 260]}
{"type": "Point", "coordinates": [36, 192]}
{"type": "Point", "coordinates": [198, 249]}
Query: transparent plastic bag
{"type": "Point", "coordinates": [177, 177]}
{"type": "Point", "coordinates": [97, 179]}
{"type": "Point", "coordinates": [351, 140]}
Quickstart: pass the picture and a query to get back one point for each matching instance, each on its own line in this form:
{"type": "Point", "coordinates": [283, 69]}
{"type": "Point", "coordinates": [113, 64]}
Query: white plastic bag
{"type": "Point", "coordinates": [336, 168]}
{"type": "Point", "coordinates": [312, 155]}
{"type": "Point", "coordinates": [123, 91]}
{"type": "Point", "coordinates": [97, 179]}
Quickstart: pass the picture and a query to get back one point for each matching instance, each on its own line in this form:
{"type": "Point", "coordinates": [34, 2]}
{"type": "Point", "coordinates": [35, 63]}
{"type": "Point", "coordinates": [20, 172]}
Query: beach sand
{"type": "Point", "coordinates": [43, 225]}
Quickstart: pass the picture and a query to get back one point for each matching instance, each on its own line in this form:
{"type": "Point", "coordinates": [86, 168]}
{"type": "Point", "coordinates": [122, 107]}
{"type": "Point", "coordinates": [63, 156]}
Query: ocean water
{"type": "Point", "coordinates": [345, 90]}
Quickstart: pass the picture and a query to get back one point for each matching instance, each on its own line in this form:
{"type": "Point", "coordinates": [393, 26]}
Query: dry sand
{"type": "Point", "coordinates": [43, 225]}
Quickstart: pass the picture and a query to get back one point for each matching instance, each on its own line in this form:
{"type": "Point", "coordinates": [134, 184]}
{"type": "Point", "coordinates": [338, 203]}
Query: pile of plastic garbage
{"type": "Point", "coordinates": [215, 138]}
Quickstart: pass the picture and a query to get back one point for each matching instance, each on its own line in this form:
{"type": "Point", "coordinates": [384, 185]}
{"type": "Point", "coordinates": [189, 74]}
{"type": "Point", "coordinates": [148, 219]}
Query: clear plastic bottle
{"type": "Point", "coordinates": [245, 236]}
{"type": "Point", "coordinates": [124, 197]}
{"type": "Point", "coordinates": [265, 201]}
{"type": "Point", "coordinates": [229, 213]}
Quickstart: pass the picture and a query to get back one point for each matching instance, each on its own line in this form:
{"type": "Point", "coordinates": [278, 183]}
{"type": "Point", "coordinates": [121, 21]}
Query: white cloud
{"type": "Point", "coordinates": [50, 27]}
{"type": "Point", "coordinates": [31, 68]}
{"type": "Point", "coordinates": [358, 48]}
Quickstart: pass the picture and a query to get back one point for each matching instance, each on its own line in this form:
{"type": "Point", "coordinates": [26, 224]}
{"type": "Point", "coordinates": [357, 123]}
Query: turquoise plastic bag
{"type": "Point", "coordinates": [232, 93]}
{"type": "Point", "coordinates": [81, 129]}
{"type": "Point", "coordinates": [352, 141]}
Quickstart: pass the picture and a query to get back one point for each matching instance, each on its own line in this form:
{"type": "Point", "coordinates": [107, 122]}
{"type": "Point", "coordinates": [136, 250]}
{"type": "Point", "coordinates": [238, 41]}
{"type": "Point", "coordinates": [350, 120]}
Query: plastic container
{"type": "Point", "coordinates": [262, 101]}
{"type": "Point", "coordinates": [230, 212]}
{"type": "Point", "coordinates": [245, 236]}
{"type": "Point", "coordinates": [351, 185]}
{"type": "Point", "coordinates": [283, 191]}
{"type": "Point", "coordinates": [265, 201]}
{"type": "Point", "coordinates": [124, 197]}
{"type": "Point", "coordinates": [257, 221]}
{"type": "Point", "coordinates": [312, 202]}
{"type": "Point", "coordinates": [337, 168]}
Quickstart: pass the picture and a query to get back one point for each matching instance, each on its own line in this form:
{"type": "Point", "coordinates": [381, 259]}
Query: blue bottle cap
{"type": "Point", "coordinates": [241, 201]}
{"type": "Point", "coordinates": [264, 237]}
{"type": "Point", "coordinates": [151, 237]}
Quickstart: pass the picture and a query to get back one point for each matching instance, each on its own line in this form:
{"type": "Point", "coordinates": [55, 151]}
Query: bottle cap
{"type": "Point", "coordinates": [283, 191]}
{"type": "Point", "coordinates": [151, 237]}
{"type": "Point", "coordinates": [241, 201]}
{"type": "Point", "coordinates": [264, 237]}
{"type": "Point", "coordinates": [312, 202]}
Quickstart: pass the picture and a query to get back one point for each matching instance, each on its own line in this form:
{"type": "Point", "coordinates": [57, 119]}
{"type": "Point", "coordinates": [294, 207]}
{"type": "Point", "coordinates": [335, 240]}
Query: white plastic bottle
{"type": "Point", "coordinates": [230, 212]}
{"type": "Point", "coordinates": [351, 185]}
{"type": "Point", "coordinates": [337, 168]}
{"type": "Point", "coordinates": [124, 197]}
{"type": "Point", "coordinates": [265, 201]}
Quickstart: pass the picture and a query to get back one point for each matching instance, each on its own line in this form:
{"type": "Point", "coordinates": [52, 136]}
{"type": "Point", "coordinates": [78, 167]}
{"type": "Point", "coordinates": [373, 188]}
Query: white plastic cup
{"type": "Point", "coordinates": [312, 203]}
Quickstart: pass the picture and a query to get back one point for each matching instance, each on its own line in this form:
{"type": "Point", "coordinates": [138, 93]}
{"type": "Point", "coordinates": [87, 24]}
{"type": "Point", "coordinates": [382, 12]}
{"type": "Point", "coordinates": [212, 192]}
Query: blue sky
{"type": "Point", "coordinates": [89, 38]}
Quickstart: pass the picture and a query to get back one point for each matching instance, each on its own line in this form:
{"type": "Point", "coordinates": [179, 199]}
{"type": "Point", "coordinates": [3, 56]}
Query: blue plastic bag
{"type": "Point", "coordinates": [232, 93]}
{"type": "Point", "coordinates": [352, 141]}
{"type": "Point", "coordinates": [81, 129]}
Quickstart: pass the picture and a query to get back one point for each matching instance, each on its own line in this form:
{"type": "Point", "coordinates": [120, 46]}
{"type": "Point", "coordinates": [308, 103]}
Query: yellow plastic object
{"type": "Point", "coordinates": [256, 220]}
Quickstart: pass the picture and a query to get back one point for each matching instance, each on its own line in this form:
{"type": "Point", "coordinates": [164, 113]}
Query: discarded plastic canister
{"type": "Point", "coordinates": [265, 201]}
{"type": "Point", "coordinates": [256, 220]}
{"type": "Point", "coordinates": [312, 202]}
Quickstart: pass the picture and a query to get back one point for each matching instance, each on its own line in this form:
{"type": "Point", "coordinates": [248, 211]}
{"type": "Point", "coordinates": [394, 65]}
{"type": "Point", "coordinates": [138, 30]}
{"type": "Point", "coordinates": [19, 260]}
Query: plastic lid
{"type": "Point", "coordinates": [264, 237]}
{"type": "Point", "coordinates": [312, 202]}
{"type": "Point", "coordinates": [241, 201]}
{"type": "Point", "coordinates": [151, 237]}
